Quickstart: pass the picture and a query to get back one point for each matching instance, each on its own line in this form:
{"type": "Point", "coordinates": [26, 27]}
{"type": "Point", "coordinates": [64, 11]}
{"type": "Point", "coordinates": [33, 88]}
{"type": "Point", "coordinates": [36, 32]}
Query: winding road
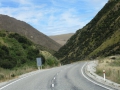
{"type": "Point", "coordinates": [67, 77]}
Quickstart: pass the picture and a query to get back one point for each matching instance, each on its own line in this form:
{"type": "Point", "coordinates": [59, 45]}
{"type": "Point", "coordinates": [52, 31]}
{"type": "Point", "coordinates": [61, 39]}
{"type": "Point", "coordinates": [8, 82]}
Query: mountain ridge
{"type": "Point", "coordinates": [99, 38]}
{"type": "Point", "coordinates": [13, 25]}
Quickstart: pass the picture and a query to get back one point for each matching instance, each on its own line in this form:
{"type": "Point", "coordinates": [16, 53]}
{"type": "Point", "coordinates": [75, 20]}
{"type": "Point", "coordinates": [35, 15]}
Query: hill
{"type": "Point", "coordinates": [18, 56]}
{"type": "Point", "coordinates": [17, 51]}
{"type": "Point", "coordinates": [61, 39]}
{"type": "Point", "coordinates": [99, 38]}
{"type": "Point", "coordinates": [11, 24]}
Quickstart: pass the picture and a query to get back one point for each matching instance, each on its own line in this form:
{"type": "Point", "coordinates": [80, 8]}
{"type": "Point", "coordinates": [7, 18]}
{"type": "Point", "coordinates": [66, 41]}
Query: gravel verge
{"type": "Point", "coordinates": [90, 70]}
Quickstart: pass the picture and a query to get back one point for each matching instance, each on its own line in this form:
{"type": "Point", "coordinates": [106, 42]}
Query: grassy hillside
{"type": "Point", "coordinates": [61, 39]}
{"type": "Point", "coordinates": [18, 55]}
{"type": "Point", "coordinates": [16, 50]}
{"type": "Point", "coordinates": [13, 25]}
{"type": "Point", "coordinates": [100, 37]}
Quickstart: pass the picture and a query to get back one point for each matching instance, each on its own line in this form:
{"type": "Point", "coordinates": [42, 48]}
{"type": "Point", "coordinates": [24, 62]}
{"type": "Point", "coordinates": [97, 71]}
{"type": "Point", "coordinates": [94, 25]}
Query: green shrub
{"type": "Point", "coordinates": [50, 62]}
{"type": "Point", "coordinates": [2, 34]}
{"type": "Point", "coordinates": [7, 64]}
{"type": "Point", "coordinates": [20, 39]}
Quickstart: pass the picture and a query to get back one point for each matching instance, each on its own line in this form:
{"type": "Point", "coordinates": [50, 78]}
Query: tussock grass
{"type": "Point", "coordinates": [112, 68]}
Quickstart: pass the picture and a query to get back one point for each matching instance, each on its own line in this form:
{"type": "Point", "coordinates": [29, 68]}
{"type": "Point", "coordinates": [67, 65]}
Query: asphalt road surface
{"type": "Point", "coordinates": [68, 77]}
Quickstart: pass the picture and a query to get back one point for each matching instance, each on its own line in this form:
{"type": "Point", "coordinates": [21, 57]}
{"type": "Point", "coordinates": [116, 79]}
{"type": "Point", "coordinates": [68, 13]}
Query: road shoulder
{"type": "Point", "coordinates": [90, 69]}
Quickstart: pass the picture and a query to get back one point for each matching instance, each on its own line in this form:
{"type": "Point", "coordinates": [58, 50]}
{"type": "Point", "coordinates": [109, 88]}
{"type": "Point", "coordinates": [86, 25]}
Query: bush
{"type": "Point", "coordinates": [50, 62]}
{"type": "Point", "coordinates": [7, 64]}
{"type": "Point", "coordinates": [20, 39]}
{"type": "Point", "coordinates": [43, 59]}
{"type": "Point", "coordinates": [4, 51]}
{"type": "Point", "coordinates": [2, 34]}
{"type": "Point", "coordinates": [32, 53]}
{"type": "Point", "coordinates": [24, 40]}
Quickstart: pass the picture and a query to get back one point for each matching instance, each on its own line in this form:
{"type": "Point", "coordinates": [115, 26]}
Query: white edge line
{"type": "Point", "coordinates": [18, 80]}
{"type": "Point", "coordinates": [91, 80]}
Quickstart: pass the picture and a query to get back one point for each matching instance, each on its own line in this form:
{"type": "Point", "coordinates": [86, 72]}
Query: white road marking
{"type": "Point", "coordinates": [93, 81]}
{"type": "Point", "coordinates": [53, 85]}
{"type": "Point", "coordinates": [54, 77]}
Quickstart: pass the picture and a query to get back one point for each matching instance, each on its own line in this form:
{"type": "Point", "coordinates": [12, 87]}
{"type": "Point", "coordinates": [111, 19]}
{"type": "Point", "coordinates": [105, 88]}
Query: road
{"type": "Point", "coordinates": [68, 77]}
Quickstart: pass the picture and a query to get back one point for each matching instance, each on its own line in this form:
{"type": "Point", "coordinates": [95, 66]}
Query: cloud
{"type": "Point", "coordinates": [53, 16]}
{"type": "Point", "coordinates": [22, 2]}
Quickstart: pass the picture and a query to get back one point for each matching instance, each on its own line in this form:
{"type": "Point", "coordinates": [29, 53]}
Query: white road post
{"type": "Point", "coordinates": [104, 74]}
{"type": "Point", "coordinates": [52, 85]}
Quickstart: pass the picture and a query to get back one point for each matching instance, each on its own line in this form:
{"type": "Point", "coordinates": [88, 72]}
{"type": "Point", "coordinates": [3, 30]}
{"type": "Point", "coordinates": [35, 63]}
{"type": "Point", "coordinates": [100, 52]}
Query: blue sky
{"type": "Point", "coordinates": [53, 17]}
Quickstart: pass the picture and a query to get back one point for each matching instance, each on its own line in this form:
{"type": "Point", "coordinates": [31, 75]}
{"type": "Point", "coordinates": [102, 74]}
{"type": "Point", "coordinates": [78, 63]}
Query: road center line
{"type": "Point", "coordinates": [93, 81]}
{"type": "Point", "coordinates": [53, 85]}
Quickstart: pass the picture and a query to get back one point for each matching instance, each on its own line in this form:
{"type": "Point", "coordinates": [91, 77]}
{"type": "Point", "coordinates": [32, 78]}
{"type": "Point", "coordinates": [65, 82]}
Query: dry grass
{"type": "Point", "coordinates": [6, 74]}
{"type": "Point", "coordinates": [112, 70]}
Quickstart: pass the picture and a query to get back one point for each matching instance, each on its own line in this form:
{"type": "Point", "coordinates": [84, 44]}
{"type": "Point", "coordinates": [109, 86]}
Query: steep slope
{"type": "Point", "coordinates": [61, 39]}
{"type": "Point", "coordinates": [11, 24]}
{"type": "Point", "coordinates": [100, 37]}
{"type": "Point", "coordinates": [17, 51]}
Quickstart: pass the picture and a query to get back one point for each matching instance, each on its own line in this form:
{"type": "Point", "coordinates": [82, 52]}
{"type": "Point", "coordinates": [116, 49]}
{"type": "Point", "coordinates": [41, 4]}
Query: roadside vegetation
{"type": "Point", "coordinates": [50, 60]}
{"type": "Point", "coordinates": [111, 65]}
{"type": "Point", "coordinates": [8, 74]}
{"type": "Point", "coordinates": [18, 56]}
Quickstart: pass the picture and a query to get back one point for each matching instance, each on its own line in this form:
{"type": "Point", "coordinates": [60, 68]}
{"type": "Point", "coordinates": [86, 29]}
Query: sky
{"type": "Point", "coordinates": [53, 17]}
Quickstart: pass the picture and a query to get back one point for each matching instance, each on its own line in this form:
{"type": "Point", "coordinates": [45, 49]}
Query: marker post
{"type": "Point", "coordinates": [104, 74]}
